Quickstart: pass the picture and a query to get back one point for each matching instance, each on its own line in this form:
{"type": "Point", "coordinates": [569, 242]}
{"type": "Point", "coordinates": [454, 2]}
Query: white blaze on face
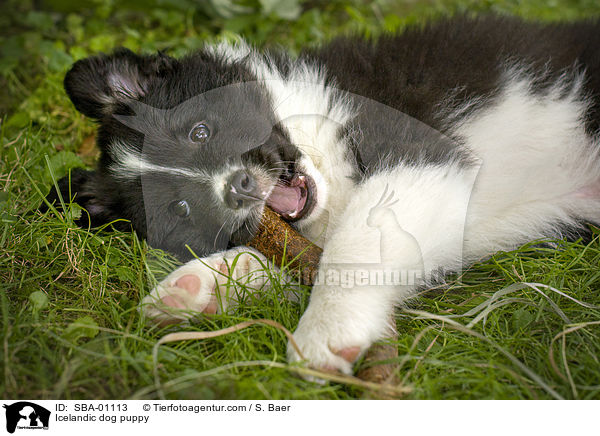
{"type": "Point", "coordinates": [130, 164]}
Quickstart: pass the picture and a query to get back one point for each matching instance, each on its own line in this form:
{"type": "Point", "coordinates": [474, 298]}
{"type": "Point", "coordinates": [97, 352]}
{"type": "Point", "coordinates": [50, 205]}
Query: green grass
{"type": "Point", "coordinates": [68, 297]}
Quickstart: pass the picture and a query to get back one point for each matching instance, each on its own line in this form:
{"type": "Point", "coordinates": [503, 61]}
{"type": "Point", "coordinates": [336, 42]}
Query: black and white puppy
{"type": "Point", "coordinates": [416, 153]}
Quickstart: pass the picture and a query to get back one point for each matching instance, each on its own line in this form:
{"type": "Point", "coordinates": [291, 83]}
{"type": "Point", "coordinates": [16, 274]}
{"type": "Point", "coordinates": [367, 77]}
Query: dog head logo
{"type": "Point", "coordinates": [26, 415]}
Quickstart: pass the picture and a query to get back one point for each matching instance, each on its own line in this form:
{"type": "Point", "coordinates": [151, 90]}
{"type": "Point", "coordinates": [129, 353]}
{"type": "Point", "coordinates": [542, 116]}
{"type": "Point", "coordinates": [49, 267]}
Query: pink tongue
{"type": "Point", "coordinates": [286, 199]}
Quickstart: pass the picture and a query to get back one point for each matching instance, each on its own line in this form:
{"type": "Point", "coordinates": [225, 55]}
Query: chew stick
{"type": "Point", "coordinates": [277, 240]}
{"type": "Point", "coordinates": [381, 372]}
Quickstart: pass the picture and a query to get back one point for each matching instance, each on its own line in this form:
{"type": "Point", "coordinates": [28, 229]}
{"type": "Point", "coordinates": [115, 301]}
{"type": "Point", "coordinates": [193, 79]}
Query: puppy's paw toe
{"type": "Point", "coordinates": [349, 354]}
{"type": "Point", "coordinates": [182, 296]}
{"type": "Point", "coordinates": [190, 283]}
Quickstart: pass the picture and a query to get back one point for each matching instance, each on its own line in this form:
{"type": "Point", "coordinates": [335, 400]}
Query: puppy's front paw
{"type": "Point", "coordinates": [329, 343]}
{"type": "Point", "coordinates": [198, 287]}
{"type": "Point", "coordinates": [318, 353]}
{"type": "Point", "coordinates": [189, 290]}
{"type": "Point", "coordinates": [338, 327]}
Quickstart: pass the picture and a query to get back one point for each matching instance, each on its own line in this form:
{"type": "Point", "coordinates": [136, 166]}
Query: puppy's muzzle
{"type": "Point", "coordinates": [243, 191]}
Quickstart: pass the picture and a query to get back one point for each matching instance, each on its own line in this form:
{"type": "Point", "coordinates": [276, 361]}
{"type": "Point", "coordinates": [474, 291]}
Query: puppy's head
{"type": "Point", "coordinates": [191, 151]}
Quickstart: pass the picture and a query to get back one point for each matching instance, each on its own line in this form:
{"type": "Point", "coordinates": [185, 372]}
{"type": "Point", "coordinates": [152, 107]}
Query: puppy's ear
{"type": "Point", "coordinates": [96, 85]}
{"type": "Point", "coordinates": [84, 188]}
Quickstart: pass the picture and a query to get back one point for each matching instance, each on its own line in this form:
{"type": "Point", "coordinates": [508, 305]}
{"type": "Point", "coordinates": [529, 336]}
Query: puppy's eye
{"type": "Point", "coordinates": [200, 133]}
{"type": "Point", "coordinates": [180, 208]}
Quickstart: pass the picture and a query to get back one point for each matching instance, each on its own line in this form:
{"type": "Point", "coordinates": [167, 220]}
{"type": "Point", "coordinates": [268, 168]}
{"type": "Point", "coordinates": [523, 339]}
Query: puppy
{"type": "Point", "coordinates": [405, 158]}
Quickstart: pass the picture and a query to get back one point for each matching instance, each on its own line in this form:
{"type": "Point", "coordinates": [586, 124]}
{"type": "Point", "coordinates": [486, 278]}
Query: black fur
{"type": "Point", "coordinates": [448, 62]}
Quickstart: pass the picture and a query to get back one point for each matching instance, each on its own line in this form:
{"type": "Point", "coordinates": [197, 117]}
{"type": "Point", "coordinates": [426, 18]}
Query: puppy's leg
{"type": "Point", "coordinates": [201, 285]}
{"type": "Point", "coordinates": [399, 228]}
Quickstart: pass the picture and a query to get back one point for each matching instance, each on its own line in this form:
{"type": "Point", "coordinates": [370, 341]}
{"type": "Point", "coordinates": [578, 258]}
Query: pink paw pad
{"type": "Point", "coordinates": [224, 269]}
{"type": "Point", "coordinates": [212, 306]}
{"type": "Point", "coordinates": [173, 301]}
{"type": "Point", "coordinates": [349, 354]}
{"type": "Point", "coordinates": [190, 283]}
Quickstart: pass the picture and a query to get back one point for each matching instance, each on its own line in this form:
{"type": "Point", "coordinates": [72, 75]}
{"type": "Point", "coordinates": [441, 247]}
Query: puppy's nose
{"type": "Point", "coordinates": [242, 190]}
